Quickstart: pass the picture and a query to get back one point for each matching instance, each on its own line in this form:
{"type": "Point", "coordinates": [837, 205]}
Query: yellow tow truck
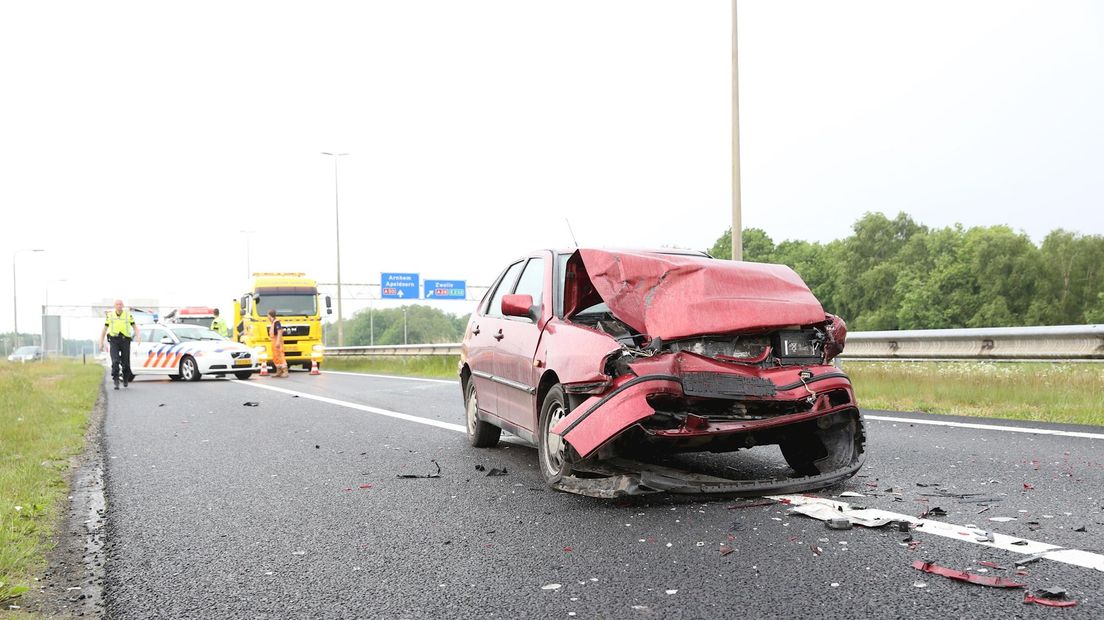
{"type": "Point", "coordinates": [295, 299]}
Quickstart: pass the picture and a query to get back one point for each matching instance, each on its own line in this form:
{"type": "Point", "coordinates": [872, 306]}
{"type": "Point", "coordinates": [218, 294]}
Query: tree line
{"type": "Point", "coordinates": [424, 325]}
{"type": "Point", "coordinates": [899, 274]}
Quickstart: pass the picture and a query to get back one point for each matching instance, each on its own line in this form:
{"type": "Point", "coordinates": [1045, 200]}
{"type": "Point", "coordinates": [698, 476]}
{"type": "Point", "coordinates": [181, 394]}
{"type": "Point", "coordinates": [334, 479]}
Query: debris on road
{"type": "Point", "coordinates": [933, 512]}
{"type": "Point", "coordinates": [751, 505]}
{"type": "Point", "coordinates": [958, 575]}
{"type": "Point", "coordinates": [824, 512]}
{"type": "Point", "coordinates": [251, 403]}
{"type": "Point", "coordinates": [552, 586]}
{"type": "Point", "coordinates": [839, 523]}
{"type": "Point", "coordinates": [725, 550]}
{"type": "Point", "coordinates": [1051, 597]}
{"type": "Point", "coordinates": [494, 471]}
{"type": "Point", "coordinates": [436, 474]}
{"type": "Point", "coordinates": [1080, 528]}
{"type": "Point", "coordinates": [851, 494]}
{"type": "Point", "coordinates": [1027, 486]}
{"type": "Point", "coordinates": [1002, 519]}
{"type": "Point", "coordinates": [991, 565]}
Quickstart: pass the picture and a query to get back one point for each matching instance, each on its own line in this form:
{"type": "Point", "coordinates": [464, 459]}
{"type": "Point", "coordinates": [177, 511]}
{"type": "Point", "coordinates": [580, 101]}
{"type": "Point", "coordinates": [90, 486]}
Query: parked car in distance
{"type": "Point", "coordinates": [610, 361]}
{"type": "Point", "coordinates": [183, 351]}
{"type": "Point", "coordinates": [26, 354]}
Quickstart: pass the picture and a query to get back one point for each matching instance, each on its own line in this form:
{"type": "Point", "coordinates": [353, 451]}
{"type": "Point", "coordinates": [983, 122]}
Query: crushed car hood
{"type": "Point", "coordinates": [674, 296]}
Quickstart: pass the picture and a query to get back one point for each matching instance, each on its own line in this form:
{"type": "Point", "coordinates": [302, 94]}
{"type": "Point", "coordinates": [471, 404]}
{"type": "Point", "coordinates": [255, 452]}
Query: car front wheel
{"type": "Point", "coordinates": [481, 434]}
{"type": "Point", "coordinates": [552, 451]}
{"type": "Point", "coordinates": [189, 370]}
{"type": "Point", "coordinates": [245, 374]}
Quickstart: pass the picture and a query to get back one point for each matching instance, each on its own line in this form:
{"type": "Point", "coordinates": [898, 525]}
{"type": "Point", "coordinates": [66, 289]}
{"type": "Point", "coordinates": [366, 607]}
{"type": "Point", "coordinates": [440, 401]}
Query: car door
{"type": "Point", "coordinates": [514, 355]}
{"type": "Point", "coordinates": [483, 339]}
{"type": "Point", "coordinates": [143, 352]}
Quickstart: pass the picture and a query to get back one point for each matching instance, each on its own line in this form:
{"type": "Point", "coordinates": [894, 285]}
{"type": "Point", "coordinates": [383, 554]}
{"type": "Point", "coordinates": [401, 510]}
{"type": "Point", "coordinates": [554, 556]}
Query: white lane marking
{"type": "Point", "coordinates": [376, 410]}
{"type": "Point", "coordinates": [960, 533]}
{"type": "Point", "coordinates": [988, 427]}
{"type": "Point", "coordinates": [364, 374]}
{"type": "Point", "coordinates": [937, 528]}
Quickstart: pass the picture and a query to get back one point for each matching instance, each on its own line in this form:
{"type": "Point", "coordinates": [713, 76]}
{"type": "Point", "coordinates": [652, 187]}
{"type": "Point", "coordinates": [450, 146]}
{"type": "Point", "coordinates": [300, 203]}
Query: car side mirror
{"type": "Point", "coordinates": [329, 310]}
{"type": "Point", "coordinates": [518, 305]}
{"type": "Point", "coordinates": [167, 340]}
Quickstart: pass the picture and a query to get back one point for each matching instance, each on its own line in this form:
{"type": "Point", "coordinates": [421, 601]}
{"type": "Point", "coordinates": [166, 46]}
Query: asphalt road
{"type": "Point", "coordinates": [292, 509]}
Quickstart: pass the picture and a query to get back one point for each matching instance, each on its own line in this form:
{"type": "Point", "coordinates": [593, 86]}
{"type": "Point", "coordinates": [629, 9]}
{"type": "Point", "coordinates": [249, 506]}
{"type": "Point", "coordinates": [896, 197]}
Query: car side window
{"type": "Point", "coordinates": [505, 287]}
{"type": "Point", "coordinates": [532, 281]}
{"type": "Point", "coordinates": [154, 335]}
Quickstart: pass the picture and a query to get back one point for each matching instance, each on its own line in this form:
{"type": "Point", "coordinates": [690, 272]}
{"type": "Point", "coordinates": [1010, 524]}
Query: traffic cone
{"type": "Point", "coordinates": [314, 367]}
{"type": "Point", "coordinates": [264, 368]}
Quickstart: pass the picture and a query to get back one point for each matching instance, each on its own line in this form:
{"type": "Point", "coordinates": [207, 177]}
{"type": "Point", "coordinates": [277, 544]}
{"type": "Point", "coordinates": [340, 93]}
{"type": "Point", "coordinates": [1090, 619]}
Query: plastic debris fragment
{"type": "Point", "coordinates": [1051, 597]}
{"type": "Point", "coordinates": [958, 575]}
{"type": "Point", "coordinates": [251, 403]}
{"type": "Point", "coordinates": [436, 474]}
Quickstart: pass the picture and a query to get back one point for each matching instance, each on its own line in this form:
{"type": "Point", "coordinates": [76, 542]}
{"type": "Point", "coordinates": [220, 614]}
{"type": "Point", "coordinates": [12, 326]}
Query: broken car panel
{"type": "Point", "coordinates": [625, 357]}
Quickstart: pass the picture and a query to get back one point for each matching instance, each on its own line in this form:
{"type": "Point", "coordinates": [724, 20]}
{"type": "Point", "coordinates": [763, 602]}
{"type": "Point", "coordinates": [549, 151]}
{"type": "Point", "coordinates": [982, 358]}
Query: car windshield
{"type": "Point", "coordinates": [25, 350]}
{"type": "Point", "coordinates": [287, 305]}
{"type": "Point", "coordinates": [189, 332]}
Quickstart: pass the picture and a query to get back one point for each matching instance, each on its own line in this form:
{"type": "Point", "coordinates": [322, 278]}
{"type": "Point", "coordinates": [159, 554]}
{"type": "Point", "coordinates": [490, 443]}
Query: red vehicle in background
{"type": "Point", "coordinates": [615, 363]}
{"type": "Point", "coordinates": [192, 315]}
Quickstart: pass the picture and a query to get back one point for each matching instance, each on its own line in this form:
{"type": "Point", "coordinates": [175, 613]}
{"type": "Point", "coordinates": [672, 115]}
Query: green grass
{"type": "Point", "coordinates": [1068, 393]}
{"type": "Point", "coordinates": [44, 411]}
{"type": "Point", "coordinates": [1043, 392]}
{"type": "Point", "coordinates": [433, 366]}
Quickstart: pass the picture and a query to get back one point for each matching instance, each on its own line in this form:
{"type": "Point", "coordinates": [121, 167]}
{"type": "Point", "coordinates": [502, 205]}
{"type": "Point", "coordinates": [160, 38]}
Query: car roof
{"type": "Point", "coordinates": [667, 251]}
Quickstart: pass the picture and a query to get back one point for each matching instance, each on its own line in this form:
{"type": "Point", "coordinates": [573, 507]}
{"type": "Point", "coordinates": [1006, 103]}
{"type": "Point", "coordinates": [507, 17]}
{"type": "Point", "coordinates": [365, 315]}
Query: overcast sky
{"type": "Point", "coordinates": [138, 139]}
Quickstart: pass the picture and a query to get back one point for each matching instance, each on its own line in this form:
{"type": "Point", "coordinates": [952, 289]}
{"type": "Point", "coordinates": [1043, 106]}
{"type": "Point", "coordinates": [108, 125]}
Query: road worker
{"type": "Point", "coordinates": [120, 329]}
{"type": "Point", "coordinates": [276, 332]}
{"type": "Point", "coordinates": [219, 326]}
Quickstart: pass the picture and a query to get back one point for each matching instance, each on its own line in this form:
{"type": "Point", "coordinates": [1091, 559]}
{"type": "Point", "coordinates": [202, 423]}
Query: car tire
{"type": "Point", "coordinates": [801, 453]}
{"type": "Point", "coordinates": [305, 365]}
{"type": "Point", "coordinates": [243, 375]}
{"type": "Point", "coordinates": [553, 452]}
{"type": "Point", "coordinates": [481, 434]}
{"type": "Point", "coordinates": [189, 370]}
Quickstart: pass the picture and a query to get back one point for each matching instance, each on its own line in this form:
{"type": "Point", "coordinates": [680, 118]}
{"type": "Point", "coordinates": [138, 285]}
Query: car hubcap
{"type": "Point", "coordinates": [554, 444]}
{"type": "Point", "coordinates": [473, 416]}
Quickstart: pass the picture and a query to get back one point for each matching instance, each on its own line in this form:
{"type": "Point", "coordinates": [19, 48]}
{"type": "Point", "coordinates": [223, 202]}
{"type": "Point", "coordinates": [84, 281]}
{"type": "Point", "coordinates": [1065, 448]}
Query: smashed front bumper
{"type": "Point", "coordinates": [614, 436]}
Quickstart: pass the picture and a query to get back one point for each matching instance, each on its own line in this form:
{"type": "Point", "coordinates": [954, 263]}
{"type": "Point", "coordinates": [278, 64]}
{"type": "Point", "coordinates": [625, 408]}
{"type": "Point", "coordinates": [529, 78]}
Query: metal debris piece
{"type": "Point", "coordinates": [958, 575]}
{"type": "Point", "coordinates": [933, 512]}
{"type": "Point", "coordinates": [251, 403]}
{"type": "Point", "coordinates": [436, 474]}
{"type": "Point", "coordinates": [839, 523]}
{"type": "Point", "coordinates": [1020, 543]}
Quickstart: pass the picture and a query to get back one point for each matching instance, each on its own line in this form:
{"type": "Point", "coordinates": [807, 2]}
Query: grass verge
{"type": "Point", "coordinates": [432, 366]}
{"type": "Point", "coordinates": [44, 411]}
{"type": "Point", "coordinates": [1042, 392]}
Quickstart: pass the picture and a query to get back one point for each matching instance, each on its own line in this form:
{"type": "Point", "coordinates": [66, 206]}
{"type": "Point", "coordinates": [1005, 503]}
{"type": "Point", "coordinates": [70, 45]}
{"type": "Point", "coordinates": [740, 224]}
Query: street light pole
{"type": "Point", "coordinates": [337, 227]}
{"type": "Point", "coordinates": [15, 299]}
{"type": "Point", "coordinates": [404, 325]}
{"type": "Point", "coordinates": [737, 223]}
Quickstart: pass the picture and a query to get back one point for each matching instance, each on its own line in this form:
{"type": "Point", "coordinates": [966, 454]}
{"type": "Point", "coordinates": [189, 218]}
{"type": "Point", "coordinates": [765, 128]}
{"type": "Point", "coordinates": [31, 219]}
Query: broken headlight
{"type": "Point", "coordinates": [804, 346]}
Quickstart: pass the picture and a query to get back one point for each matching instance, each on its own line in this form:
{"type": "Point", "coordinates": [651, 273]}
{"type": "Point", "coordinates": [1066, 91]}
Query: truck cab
{"type": "Point", "coordinates": [295, 299]}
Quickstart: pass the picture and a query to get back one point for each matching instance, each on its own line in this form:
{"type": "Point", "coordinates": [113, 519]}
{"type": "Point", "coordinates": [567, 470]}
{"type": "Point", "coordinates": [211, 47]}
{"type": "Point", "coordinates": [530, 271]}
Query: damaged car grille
{"type": "Point", "coordinates": [722, 385]}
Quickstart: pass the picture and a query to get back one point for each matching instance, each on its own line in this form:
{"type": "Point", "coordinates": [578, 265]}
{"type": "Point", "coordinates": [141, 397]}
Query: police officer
{"type": "Point", "coordinates": [220, 326]}
{"type": "Point", "coordinates": [119, 328]}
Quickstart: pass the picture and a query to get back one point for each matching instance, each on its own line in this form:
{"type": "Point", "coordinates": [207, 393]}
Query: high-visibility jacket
{"type": "Point", "coordinates": [120, 324]}
{"type": "Point", "coordinates": [219, 326]}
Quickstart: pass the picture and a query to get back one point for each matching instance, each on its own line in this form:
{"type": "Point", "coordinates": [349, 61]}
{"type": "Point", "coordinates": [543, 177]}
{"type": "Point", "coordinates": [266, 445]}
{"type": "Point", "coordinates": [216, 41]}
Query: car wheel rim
{"type": "Point", "coordinates": [189, 369]}
{"type": "Point", "coordinates": [553, 443]}
{"type": "Point", "coordinates": [473, 408]}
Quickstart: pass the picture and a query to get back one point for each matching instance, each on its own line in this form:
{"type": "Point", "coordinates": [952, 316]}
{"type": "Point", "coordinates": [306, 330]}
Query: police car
{"type": "Point", "coordinates": [188, 352]}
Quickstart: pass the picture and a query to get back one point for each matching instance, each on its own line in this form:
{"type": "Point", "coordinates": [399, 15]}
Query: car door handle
{"type": "Point", "coordinates": [499, 335]}
{"type": "Point", "coordinates": [475, 331]}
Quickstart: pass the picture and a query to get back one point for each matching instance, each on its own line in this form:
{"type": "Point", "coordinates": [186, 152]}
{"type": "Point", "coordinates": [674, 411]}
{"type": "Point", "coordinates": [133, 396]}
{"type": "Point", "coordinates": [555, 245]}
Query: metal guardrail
{"type": "Point", "coordinates": [1052, 343]}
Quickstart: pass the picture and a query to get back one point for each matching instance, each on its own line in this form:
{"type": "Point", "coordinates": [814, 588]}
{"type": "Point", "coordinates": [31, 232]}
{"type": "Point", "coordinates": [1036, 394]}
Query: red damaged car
{"type": "Point", "coordinates": [616, 363]}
